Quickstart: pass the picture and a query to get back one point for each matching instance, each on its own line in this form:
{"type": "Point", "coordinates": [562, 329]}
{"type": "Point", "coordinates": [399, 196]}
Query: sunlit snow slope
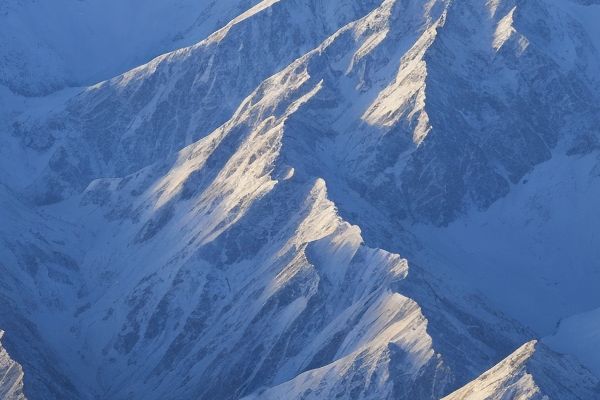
{"type": "Point", "coordinates": [532, 372]}
{"type": "Point", "coordinates": [376, 199]}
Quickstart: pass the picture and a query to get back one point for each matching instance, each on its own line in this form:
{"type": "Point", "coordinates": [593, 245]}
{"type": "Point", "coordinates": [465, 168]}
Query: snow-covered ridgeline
{"type": "Point", "coordinates": [532, 372]}
{"type": "Point", "coordinates": [194, 237]}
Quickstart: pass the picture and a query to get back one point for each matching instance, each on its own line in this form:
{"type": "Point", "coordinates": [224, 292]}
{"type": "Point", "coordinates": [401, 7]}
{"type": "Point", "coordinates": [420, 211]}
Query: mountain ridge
{"type": "Point", "coordinates": [192, 235]}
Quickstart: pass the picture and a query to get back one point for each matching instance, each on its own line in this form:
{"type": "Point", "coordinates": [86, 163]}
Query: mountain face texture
{"type": "Point", "coordinates": [11, 376]}
{"type": "Point", "coordinates": [38, 55]}
{"type": "Point", "coordinates": [299, 199]}
{"type": "Point", "coordinates": [532, 372]}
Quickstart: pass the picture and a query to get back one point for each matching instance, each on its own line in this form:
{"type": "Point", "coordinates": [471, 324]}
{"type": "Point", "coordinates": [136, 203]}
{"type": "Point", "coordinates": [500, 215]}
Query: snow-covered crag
{"type": "Point", "coordinates": [11, 376]}
{"type": "Point", "coordinates": [305, 203]}
{"type": "Point", "coordinates": [532, 372]}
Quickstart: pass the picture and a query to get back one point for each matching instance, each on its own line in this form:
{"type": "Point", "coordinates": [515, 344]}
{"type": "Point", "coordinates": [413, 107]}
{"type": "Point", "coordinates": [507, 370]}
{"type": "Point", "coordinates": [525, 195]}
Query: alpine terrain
{"type": "Point", "coordinates": [299, 199]}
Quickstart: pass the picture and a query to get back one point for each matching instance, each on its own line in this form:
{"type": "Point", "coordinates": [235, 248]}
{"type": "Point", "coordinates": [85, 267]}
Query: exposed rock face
{"type": "Point", "coordinates": [270, 212]}
{"type": "Point", "coordinates": [11, 376]}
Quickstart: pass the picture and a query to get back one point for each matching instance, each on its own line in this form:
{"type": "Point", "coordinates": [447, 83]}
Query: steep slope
{"type": "Point", "coordinates": [538, 238]}
{"type": "Point", "coordinates": [530, 373]}
{"type": "Point", "coordinates": [391, 103]}
{"type": "Point", "coordinates": [130, 121]}
{"type": "Point", "coordinates": [177, 214]}
{"type": "Point", "coordinates": [39, 277]}
{"type": "Point", "coordinates": [453, 159]}
{"type": "Point", "coordinates": [190, 229]}
{"type": "Point", "coordinates": [48, 46]}
{"type": "Point", "coordinates": [249, 281]}
{"type": "Point", "coordinates": [11, 376]}
{"type": "Point", "coordinates": [543, 234]}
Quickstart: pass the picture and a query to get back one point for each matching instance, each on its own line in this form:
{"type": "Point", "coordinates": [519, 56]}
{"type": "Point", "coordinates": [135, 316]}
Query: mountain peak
{"type": "Point", "coordinates": [532, 372]}
{"type": "Point", "coordinates": [374, 199]}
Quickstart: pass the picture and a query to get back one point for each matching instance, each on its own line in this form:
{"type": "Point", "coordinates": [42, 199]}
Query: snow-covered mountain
{"type": "Point", "coordinates": [532, 372]}
{"type": "Point", "coordinates": [48, 45]}
{"type": "Point", "coordinates": [377, 199]}
{"type": "Point", "coordinates": [11, 376]}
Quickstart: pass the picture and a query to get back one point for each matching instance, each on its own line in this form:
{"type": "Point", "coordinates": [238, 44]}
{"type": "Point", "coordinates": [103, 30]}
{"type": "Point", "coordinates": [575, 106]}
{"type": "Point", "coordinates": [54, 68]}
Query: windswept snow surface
{"type": "Point", "coordinates": [373, 199]}
{"type": "Point", "coordinates": [579, 335]}
{"type": "Point", "coordinates": [586, 12]}
{"type": "Point", "coordinates": [507, 246]}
